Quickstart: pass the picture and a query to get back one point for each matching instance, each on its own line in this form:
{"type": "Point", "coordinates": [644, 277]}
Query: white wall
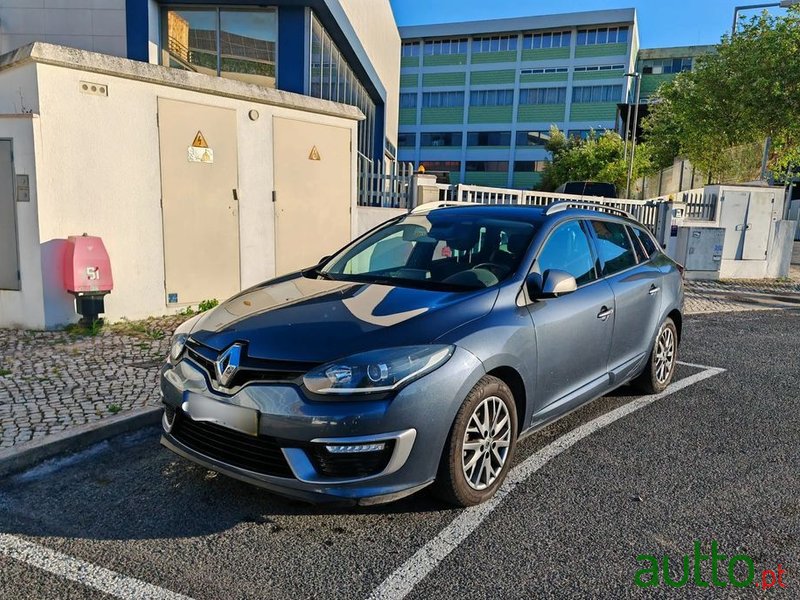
{"type": "Point", "coordinates": [374, 24]}
{"type": "Point", "coordinates": [97, 25]}
{"type": "Point", "coordinates": [372, 216]}
{"type": "Point", "coordinates": [25, 307]}
{"type": "Point", "coordinates": [98, 171]}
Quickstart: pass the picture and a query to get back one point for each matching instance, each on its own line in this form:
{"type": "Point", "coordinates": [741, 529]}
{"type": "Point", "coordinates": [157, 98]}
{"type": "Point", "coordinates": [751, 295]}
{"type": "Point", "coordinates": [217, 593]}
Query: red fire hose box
{"type": "Point", "coordinates": [87, 275]}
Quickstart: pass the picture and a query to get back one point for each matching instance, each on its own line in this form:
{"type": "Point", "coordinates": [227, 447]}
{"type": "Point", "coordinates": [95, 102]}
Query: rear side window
{"type": "Point", "coordinates": [567, 249]}
{"type": "Point", "coordinates": [646, 241]}
{"type": "Point", "coordinates": [613, 247]}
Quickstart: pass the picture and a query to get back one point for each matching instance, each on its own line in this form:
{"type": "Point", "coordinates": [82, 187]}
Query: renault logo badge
{"type": "Point", "coordinates": [227, 365]}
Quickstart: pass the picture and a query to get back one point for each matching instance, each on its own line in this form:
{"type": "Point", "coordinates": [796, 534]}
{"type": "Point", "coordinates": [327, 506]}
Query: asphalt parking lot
{"type": "Point", "coordinates": [714, 460]}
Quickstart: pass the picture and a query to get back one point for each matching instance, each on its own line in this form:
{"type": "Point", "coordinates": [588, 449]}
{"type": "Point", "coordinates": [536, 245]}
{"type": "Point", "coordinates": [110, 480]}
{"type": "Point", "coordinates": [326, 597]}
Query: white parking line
{"type": "Point", "coordinates": [83, 572]}
{"type": "Point", "coordinates": [410, 573]}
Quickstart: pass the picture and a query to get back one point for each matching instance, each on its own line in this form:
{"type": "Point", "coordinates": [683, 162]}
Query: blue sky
{"type": "Point", "coordinates": [661, 22]}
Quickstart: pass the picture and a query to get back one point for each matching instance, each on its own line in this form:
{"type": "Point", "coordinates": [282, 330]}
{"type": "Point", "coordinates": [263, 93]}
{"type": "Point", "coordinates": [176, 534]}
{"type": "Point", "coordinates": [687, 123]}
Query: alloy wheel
{"type": "Point", "coordinates": [665, 354]}
{"type": "Point", "coordinates": [486, 443]}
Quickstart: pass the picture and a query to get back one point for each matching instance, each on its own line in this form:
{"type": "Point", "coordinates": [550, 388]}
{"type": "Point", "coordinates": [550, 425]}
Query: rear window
{"type": "Point", "coordinates": [613, 246]}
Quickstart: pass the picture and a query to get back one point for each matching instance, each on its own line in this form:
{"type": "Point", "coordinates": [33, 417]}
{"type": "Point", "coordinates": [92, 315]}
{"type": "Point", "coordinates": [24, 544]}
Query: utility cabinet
{"type": "Point", "coordinates": [700, 249]}
{"type": "Point", "coordinates": [749, 217]}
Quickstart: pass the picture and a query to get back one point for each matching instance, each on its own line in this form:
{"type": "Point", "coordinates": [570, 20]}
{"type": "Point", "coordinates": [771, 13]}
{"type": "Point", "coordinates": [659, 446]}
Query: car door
{"type": "Point", "coordinates": [636, 283]}
{"type": "Point", "coordinates": [573, 332]}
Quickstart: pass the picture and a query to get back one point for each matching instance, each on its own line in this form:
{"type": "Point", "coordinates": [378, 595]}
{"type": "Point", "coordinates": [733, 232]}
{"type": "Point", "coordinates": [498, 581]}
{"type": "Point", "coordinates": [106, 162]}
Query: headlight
{"type": "Point", "coordinates": [377, 371]}
{"type": "Point", "coordinates": [177, 345]}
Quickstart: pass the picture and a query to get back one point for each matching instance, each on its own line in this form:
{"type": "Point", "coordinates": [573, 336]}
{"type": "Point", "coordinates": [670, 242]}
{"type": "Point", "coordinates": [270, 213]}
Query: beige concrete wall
{"type": "Point", "coordinates": [97, 171]}
{"type": "Point", "coordinates": [373, 22]}
{"type": "Point", "coordinates": [97, 25]}
{"type": "Point", "coordinates": [370, 216]}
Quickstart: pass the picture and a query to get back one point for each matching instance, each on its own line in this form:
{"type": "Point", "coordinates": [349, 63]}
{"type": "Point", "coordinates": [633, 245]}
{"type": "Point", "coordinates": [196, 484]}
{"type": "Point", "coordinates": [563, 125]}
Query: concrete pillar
{"type": "Point", "coordinates": [425, 189]}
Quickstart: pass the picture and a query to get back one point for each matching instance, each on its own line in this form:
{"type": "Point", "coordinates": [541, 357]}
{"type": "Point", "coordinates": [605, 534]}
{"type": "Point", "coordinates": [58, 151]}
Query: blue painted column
{"type": "Point", "coordinates": [136, 29]}
{"type": "Point", "coordinates": [293, 39]}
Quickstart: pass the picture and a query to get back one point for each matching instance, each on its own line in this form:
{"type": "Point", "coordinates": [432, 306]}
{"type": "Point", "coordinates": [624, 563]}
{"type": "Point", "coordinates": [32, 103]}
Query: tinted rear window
{"type": "Point", "coordinates": [646, 241]}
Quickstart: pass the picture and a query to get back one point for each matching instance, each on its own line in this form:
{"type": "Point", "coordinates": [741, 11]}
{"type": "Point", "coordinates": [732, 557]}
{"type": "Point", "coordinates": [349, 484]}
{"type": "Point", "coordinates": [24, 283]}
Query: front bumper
{"type": "Point", "coordinates": [289, 427]}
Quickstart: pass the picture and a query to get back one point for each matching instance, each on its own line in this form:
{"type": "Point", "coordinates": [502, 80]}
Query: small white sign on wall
{"type": "Point", "coordinates": [199, 150]}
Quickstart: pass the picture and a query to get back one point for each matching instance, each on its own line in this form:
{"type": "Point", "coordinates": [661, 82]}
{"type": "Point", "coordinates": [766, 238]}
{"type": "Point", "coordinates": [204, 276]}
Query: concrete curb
{"type": "Point", "coordinates": [21, 457]}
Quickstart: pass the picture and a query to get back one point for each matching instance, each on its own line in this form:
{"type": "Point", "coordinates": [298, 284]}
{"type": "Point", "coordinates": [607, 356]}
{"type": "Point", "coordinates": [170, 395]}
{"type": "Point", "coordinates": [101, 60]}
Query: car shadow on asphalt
{"type": "Point", "coordinates": [131, 488]}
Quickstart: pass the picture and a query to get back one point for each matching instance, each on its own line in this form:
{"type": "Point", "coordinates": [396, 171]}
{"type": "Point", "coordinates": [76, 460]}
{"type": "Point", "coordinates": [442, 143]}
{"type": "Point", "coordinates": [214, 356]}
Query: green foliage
{"type": "Point", "coordinates": [204, 306]}
{"type": "Point", "coordinates": [80, 330]}
{"type": "Point", "coordinates": [207, 305]}
{"type": "Point", "coordinates": [114, 408]}
{"type": "Point", "coordinates": [600, 158]}
{"type": "Point", "coordinates": [719, 114]}
{"type": "Point", "coordinates": [4, 372]}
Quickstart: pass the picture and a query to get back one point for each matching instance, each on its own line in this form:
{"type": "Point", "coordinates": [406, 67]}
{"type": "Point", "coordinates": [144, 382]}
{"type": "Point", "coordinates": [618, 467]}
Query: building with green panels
{"type": "Point", "coordinates": [478, 98]}
{"type": "Point", "coordinates": [659, 65]}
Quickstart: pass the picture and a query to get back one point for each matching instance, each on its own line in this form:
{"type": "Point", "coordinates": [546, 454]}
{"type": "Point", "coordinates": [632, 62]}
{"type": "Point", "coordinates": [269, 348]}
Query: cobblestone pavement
{"type": "Point", "coordinates": [52, 380]}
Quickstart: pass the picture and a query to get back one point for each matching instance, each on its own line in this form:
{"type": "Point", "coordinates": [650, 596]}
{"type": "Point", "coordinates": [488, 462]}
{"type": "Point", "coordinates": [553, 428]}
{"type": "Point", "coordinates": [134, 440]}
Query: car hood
{"type": "Point", "coordinates": [316, 320]}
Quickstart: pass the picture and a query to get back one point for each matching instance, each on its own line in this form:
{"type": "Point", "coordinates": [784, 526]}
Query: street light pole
{"type": "Point", "coordinates": [638, 78]}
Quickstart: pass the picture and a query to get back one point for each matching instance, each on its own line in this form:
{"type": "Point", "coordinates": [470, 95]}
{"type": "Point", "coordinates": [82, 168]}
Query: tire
{"type": "Point", "coordinates": [464, 479]}
{"type": "Point", "coordinates": [660, 367]}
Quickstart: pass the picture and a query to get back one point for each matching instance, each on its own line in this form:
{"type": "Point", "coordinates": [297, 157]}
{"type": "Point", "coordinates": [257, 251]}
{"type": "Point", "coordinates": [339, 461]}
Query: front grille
{"type": "Point", "coordinates": [260, 454]}
{"type": "Point", "coordinates": [357, 464]}
{"type": "Point", "coordinates": [251, 369]}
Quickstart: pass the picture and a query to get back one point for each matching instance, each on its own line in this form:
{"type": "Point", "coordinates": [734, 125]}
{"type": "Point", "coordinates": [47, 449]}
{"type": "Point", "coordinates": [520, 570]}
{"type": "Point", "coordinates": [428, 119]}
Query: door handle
{"type": "Point", "coordinates": [604, 313]}
{"type": "Point", "coordinates": [654, 289]}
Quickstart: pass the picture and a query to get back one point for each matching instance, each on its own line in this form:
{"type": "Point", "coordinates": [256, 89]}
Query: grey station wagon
{"type": "Point", "coordinates": [420, 353]}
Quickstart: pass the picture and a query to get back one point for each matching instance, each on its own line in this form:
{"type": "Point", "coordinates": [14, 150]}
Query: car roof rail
{"type": "Point", "coordinates": [429, 206]}
{"type": "Point", "coordinates": [563, 205]}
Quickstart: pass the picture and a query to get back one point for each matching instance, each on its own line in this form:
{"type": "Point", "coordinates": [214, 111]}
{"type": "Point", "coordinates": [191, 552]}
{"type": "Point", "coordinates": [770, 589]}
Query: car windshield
{"type": "Point", "coordinates": [439, 250]}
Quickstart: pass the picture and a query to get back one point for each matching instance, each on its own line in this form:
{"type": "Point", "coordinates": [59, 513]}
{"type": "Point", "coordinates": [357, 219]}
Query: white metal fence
{"type": "Point", "coordinates": [392, 188]}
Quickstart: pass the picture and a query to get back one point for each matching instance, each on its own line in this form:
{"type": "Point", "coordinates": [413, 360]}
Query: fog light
{"type": "Point", "coordinates": [354, 448]}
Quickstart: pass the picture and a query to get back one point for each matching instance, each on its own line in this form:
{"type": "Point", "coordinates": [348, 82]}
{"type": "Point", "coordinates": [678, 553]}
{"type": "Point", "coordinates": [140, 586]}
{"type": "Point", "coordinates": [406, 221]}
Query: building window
{"type": "Point", "coordinates": [491, 98]}
{"type": "Point", "coordinates": [235, 44]}
{"type": "Point", "coordinates": [556, 95]}
{"type": "Point", "coordinates": [488, 166]}
{"type": "Point", "coordinates": [551, 39]}
{"type": "Point", "coordinates": [534, 139]}
{"type": "Point", "coordinates": [411, 49]}
{"type": "Point", "coordinates": [445, 139]}
{"type": "Point", "coordinates": [408, 100]}
{"type": "Point", "coordinates": [331, 78]}
{"type": "Point", "coordinates": [596, 93]}
{"type": "Point", "coordinates": [666, 66]}
{"type": "Point", "coordinates": [592, 68]}
{"type": "Point", "coordinates": [436, 47]}
{"type": "Point", "coordinates": [603, 35]}
{"type": "Point", "coordinates": [500, 43]}
{"type": "Point", "coordinates": [529, 166]}
{"type": "Point", "coordinates": [489, 138]}
{"type": "Point", "coordinates": [582, 134]}
{"type": "Point", "coordinates": [406, 140]}
{"type": "Point", "coordinates": [543, 70]}
{"type": "Point", "coordinates": [453, 166]}
{"type": "Point", "coordinates": [442, 99]}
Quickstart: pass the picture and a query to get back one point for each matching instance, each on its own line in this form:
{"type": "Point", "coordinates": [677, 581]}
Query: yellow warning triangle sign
{"type": "Point", "coordinates": [314, 154]}
{"type": "Point", "coordinates": [199, 141]}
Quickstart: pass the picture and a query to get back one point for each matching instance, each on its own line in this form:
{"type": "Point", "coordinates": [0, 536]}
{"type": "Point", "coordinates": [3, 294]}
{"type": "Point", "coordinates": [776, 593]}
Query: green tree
{"type": "Point", "coordinates": [720, 113]}
{"type": "Point", "coordinates": [600, 157]}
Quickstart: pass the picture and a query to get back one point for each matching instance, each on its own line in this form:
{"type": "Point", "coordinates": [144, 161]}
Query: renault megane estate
{"type": "Point", "coordinates": [423, 351]}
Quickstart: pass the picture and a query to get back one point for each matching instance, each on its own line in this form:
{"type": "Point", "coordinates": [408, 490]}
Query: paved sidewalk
{"type": "Point", "coordinates": [53, 380]}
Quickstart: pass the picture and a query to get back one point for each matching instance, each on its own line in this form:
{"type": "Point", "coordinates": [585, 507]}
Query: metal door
{"type": "Point", "coordinates": [9, 249]}
{"type": "Point", "coordinates": [758, 226]}
{"type": "Point", "coordinates": [313, 195]}
{"type": "Point", "coordinates": [733, 216]}
{"type": "Point", "coordinates": [199, 179]}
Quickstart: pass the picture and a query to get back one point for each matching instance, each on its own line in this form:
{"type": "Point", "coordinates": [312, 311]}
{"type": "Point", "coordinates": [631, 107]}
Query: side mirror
{"type": "Point", "coordinates": [554, 284]}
